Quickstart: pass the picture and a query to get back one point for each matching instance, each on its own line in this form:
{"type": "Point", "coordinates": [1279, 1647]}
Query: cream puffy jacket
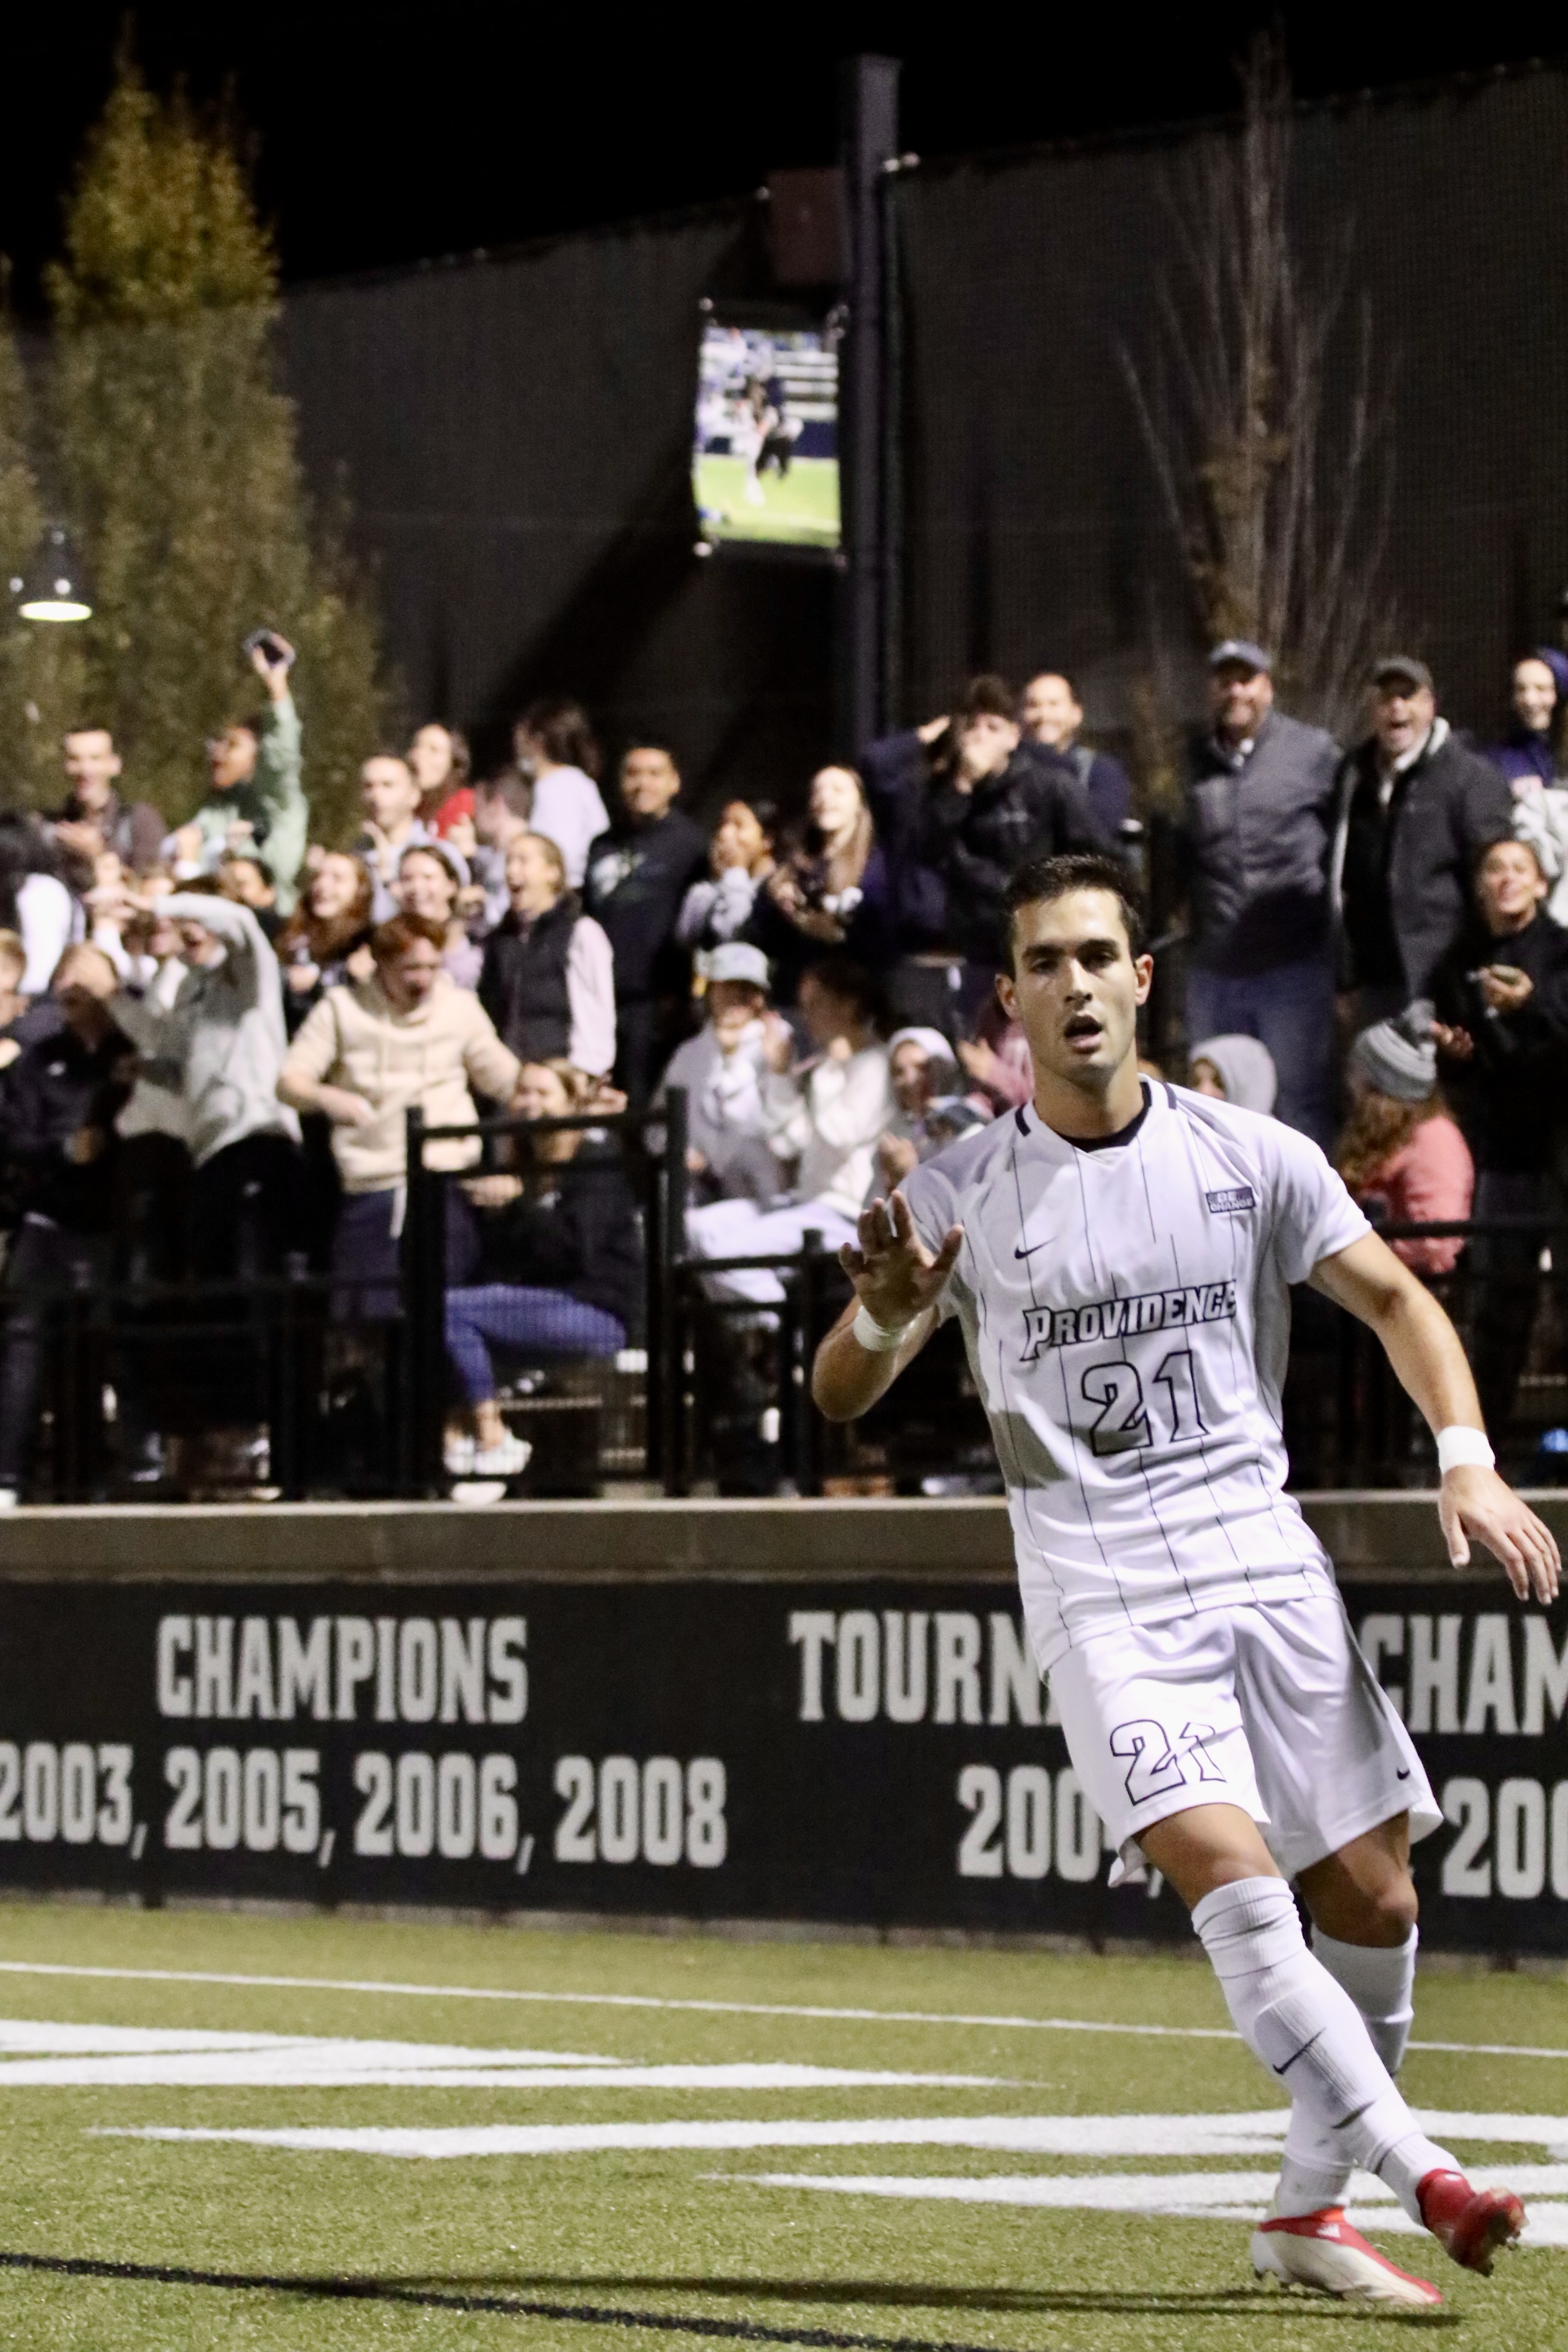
{"type": "Point", "coordinates": [425, 1059]}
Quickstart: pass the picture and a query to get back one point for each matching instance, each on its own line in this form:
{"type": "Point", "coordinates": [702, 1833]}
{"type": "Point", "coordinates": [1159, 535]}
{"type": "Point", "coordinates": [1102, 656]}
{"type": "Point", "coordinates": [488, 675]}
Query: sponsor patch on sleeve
{"type": "Point", "coordinates": [1232, 1202]}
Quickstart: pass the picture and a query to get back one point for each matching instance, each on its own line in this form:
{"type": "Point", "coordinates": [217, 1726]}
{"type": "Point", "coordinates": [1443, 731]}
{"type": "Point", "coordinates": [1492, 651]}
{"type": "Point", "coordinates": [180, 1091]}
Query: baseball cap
{"type": "Point", "coordinates": [1403, 669]}
{"type": "Point", "coordinates": [1240, 649]}
{"type": "Point", "coordinates": [734, 960]}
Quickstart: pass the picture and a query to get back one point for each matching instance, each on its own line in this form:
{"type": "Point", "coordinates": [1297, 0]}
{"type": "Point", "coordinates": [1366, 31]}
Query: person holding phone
{"type": "Point", "coordinates": [255, 802]}
{"type": "Point", "coordinates": [1500, 1000]}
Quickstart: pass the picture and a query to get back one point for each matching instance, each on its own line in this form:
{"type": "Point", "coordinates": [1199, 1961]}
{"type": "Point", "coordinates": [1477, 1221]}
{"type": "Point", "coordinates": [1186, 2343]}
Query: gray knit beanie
{"type": "Point", "coordinates": [1393, 1063]}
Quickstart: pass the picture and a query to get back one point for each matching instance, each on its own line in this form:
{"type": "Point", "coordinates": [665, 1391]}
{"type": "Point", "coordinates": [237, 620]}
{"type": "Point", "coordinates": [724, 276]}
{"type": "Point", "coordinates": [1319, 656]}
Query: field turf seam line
{"type": "Point", "coordinates": [587, 2315]}
{"type": "Point", "coordinates": [720, 2008]}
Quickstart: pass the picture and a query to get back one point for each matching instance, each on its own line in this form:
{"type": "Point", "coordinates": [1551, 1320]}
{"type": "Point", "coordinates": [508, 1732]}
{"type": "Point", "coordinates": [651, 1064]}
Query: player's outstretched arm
{"type": "Point", "coordinates": [898, 1282]}
{"type": "Point", "coordinates": [1424, 1347]}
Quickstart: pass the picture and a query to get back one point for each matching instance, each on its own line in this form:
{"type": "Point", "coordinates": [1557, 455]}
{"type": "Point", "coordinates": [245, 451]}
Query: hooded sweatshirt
{"type": "Point", "coordinates": [273, 804]}
{"type": "Point", "coordinates": [221, 1039]}
{"type": "Point", "coordinates": [427, 1058]}
{"type": "Point", "coordinates": [1245, 1070]}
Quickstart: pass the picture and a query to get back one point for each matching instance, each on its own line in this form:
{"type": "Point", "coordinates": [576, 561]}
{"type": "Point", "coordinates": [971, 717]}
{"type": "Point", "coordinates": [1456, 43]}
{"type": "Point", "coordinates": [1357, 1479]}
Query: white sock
{"type": "Point", "coordinates": [1380, 1981]}
{"type": "Point", "coordinates": [1306, 2029]}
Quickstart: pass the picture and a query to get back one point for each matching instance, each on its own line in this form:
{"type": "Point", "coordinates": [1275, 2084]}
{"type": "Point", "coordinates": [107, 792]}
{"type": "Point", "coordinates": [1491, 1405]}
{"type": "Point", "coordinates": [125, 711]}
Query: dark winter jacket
{"type": "Point", "coordinates": [896, 773]}
{"type": "Point", "coordinates": [1105, 779]}
{"type": "Point", "coordinates": [1399, 865]}
{"type": "Point", "coordinates": [1034, 808]}
{"type": "Point", "coordinates": [1512, 1097]}
{"type": "Point", "coordinates": [1255, 846]}
{"type": "Point", "coordinates": [522, 982]}
{"type": "Point", "coordinates": [1525, 754]}
{"type": "Point", "coordinates": [950, 852]}
{"type": "Point", "coordinates": [637, 876]}
{"type": "Point", "coordinates": [868, 932]}
{"type": "Point", "coordinates": [578, 1232]}
{"type": "Point", "coordinates": [55, 1086]}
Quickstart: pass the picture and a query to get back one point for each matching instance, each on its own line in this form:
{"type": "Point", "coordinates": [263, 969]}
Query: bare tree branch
{"type": "Point", "coordinates": [1278, 497]}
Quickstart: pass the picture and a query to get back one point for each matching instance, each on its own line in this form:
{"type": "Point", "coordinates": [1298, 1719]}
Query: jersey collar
{"type": "Point", "coordinates": [1029, 1122]}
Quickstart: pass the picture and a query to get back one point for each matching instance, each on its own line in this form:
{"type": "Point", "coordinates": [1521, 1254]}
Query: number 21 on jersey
{"type": "Point", "coordinates": [1126, 1421]}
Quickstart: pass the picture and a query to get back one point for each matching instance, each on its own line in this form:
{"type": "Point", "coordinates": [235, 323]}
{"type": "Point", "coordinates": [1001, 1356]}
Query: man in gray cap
{"type": "Point", "coordinates": [1259, 790]}
{"type": "Point", "coordinates": [1413, 806]}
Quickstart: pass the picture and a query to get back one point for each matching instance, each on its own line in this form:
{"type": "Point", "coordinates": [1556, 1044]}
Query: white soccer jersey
{"type": "Point", "coordinates": [1126, 1308]}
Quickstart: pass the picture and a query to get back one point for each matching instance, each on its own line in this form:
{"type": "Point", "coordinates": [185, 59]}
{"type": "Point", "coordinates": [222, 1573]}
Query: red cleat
{"type": "Point", "coordinates": [1322, 2250]}
{"type": "Point", "coordinates": [1469, 2224]}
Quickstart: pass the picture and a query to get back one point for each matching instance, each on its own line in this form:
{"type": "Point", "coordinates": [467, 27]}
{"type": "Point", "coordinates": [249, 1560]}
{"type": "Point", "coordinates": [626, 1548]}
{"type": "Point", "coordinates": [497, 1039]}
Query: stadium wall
{"type": "Point", "coordinates": [821, 1713]}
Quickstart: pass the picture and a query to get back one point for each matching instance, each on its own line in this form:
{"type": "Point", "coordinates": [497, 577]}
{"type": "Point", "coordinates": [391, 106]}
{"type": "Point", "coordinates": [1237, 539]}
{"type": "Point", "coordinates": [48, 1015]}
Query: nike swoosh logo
{"type": "Point", "coordinates": [1034, 1246]}
{"type": "Point", "coordinates": [1403, 1775]}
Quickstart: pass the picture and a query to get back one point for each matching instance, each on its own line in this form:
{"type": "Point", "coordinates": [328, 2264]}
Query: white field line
{"type": "Point", "coordinates": [34, 2053]}
{"type": "Point", "coordinates": [720, 2008]}
{"type": "Point", "coordinates": [1145, 2136]}
{"type": "Point", "coordinates": [1187, 2196]}
{"type": "Point", "coordinates": [1126, 2192]}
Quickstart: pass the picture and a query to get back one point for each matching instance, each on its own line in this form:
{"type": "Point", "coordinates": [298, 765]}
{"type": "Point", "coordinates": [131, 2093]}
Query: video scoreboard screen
{"type": "Point", "coordinates": [766, 455]}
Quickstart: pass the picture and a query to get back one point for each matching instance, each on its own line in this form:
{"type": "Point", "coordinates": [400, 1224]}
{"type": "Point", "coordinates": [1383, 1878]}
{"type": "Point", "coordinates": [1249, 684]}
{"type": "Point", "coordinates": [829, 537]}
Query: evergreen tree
{"type": "Point", "coordinates": [174, 456]}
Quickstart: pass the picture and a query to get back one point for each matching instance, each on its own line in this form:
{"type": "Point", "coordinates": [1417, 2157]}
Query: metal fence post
{"type": "Point", "coordinates": [807, 1429]}
{"type": "Point", "coordinates": [654, 1306]}
{"type": "Point", "coordinates": [672, 1320]}
{"type": "Point", "coordinates": [423, 1284]}
{"type": "Point", "coordinates": [287, 1465]}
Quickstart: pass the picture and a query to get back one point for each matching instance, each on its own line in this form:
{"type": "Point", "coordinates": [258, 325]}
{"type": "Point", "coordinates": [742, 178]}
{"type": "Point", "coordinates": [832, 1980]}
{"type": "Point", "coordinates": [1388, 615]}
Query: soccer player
{"type": "Point", "coordinates": [1118, 1252]}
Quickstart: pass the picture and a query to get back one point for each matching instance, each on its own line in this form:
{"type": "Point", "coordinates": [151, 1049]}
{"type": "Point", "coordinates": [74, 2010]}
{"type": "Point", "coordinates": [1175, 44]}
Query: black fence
{"type": "Point", "coordinates": [292, 1386]}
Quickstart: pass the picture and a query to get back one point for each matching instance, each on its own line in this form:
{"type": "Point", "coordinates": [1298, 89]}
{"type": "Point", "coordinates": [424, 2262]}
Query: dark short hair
{"type": "Point", "coordinates": [765, 812]}
{"type": "Point", "coordinates": [401, 932]}
{"type": "Point", "coordinates": [1483, 850]}
{"type": "Point", "coordinates": [842, 976]}
{"type": "Point", "coordinates": [650, 743]}
{"type": "Point", "coordinates": [562, 726]}
{"type": "Point", "coordinates": [510, 785]}
{"type": "Point", "coordinates": [101, 727]}
{"type": "Point", "coordinates": [985, 697]}
{"type": "Point", "coordinates": [1040, 880]}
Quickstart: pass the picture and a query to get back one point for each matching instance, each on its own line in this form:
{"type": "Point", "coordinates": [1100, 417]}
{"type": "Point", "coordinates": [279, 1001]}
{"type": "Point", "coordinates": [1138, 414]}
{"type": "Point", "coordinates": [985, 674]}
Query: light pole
{"type": "Point", "coordinates": [869, 143]}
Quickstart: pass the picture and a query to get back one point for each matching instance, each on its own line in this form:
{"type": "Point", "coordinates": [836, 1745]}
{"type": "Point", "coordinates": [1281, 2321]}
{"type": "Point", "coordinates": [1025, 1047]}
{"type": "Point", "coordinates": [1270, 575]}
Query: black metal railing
{"type": "Point", "coordinates": [712, 1393]}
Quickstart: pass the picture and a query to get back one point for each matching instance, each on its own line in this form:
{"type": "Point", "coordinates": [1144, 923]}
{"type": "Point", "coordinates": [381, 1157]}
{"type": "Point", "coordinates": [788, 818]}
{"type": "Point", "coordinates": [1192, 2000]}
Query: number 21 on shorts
{"type": "Point", "coordinates": [1160, 1763]}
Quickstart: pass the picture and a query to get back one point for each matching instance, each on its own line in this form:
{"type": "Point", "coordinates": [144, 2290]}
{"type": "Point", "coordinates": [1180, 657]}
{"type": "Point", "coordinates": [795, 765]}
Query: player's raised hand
{"type": "Point", "coordinates": [896, 1277]}
{"type": "Point", "coordinates": [1474, 1502]}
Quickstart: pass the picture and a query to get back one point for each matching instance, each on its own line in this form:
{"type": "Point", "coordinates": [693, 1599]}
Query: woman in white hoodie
{"type": "Point", "coordinates": [217, 1037]}
{"type": "Point", "coordinates": [824, 1113]}
{"type": "Point", "coordinates": [367, 1055]}
{"type": "Point", "coordinates": [722, 1072]}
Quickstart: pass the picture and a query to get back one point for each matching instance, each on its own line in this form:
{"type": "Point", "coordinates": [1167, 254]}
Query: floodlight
{"type": "Point", "coordinates": [53, 588]}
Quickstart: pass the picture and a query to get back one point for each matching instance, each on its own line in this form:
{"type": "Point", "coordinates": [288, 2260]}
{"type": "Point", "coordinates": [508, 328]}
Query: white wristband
{"type": "Point", "coordinates": [874, 1338]}
{"type": "Point", "coordinates": [1457, 1445]}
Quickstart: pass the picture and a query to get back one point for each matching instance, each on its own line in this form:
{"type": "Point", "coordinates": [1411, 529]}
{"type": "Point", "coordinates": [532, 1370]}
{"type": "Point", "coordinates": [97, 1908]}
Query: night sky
{"type": "Point", "coordinates": [383, 136]}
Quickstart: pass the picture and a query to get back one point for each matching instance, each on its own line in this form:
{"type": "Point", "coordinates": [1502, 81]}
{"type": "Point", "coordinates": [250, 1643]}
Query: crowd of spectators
{"type": "Point", "coordinates": [211, 1034]}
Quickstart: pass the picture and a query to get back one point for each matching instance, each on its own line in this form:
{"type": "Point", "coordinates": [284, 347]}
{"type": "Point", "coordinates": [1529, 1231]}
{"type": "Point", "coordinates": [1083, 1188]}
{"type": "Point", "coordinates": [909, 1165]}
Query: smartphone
{"type": "Point", "coordinates": [271, 648]}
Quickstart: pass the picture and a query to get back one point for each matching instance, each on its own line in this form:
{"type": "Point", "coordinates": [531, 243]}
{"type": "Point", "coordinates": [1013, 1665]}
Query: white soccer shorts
{"type": "Point", "coordinates": [1269, 1707]}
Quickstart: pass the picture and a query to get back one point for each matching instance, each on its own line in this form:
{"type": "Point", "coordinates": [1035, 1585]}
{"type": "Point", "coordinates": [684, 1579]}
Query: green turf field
{"type": "Point", "coordinates": [802, 509]}
{"type": "Point", "coordinates": [612, 2218]}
